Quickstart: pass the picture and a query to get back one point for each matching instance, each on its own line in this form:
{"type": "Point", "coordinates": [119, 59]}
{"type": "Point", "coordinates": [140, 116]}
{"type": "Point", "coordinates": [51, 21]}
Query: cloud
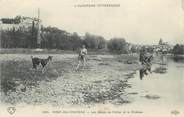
{"type": "Point", "coordinates": [139, 21]}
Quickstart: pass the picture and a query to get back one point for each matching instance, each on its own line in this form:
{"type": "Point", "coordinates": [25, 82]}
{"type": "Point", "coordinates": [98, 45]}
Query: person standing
{"type": "Point", "coordinates": [82, 57]}
{"type": "Point", "coordinates": [142, 60]}
{"type": "Point", "coordinates": [146, 62]}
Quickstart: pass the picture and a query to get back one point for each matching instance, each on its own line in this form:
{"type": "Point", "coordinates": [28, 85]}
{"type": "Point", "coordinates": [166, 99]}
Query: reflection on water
{"type": "Point", "coordinates": [178, 59]}
{"type": "Point", "coordinates": [143, 72]}
{"type": "Point", "coordinates": [168, 86]}
{"type": "Point", "coordinates": [162, 61]}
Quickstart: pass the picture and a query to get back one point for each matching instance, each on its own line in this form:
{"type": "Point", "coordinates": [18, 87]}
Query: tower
{"type": "Point", "coordinates": [38, 33]}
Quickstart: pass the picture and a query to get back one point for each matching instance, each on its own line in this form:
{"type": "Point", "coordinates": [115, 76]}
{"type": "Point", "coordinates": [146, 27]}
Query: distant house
{"type": "Point", "coordinates": [162, 47]}
{"type": "Point", "coordinates": [18, 23]}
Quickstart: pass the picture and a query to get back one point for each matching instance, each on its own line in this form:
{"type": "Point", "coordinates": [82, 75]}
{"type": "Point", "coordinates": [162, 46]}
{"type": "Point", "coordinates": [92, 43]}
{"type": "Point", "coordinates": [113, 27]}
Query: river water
{"type": "Point", "coordinates": [159, 92]}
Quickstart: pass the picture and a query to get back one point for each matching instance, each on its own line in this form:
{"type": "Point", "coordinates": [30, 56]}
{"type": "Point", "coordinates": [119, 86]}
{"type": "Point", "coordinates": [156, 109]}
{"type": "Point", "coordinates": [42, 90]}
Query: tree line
{"type": "Point", "coordinates": [54, 38]}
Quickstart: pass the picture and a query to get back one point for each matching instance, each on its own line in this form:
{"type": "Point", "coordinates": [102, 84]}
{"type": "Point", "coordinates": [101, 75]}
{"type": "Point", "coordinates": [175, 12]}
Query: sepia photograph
{"type": "Point", "coordinates": [91, 58]}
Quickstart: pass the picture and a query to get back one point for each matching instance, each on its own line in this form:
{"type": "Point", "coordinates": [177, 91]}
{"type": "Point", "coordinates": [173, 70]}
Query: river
{"type": "Point", "coordinates": [159, 92]}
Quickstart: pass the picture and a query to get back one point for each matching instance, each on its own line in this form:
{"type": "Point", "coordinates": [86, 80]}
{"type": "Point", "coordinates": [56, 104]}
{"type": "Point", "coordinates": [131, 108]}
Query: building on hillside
{"type": "Point", "coordinates": [18, 23]}
{"type": "Point", "coordinates": [163, 47]}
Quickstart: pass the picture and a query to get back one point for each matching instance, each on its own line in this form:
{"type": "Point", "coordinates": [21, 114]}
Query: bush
{"type": "Point", "coordinates": [94, 41]}
{"type": "Point", "coordinates": [178, 49]}
{"type": "Point", "coordinates": [117, 44]}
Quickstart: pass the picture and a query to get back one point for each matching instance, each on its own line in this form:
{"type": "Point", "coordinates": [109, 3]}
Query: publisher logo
{"type": "Point", "coordinates": [11, 110]}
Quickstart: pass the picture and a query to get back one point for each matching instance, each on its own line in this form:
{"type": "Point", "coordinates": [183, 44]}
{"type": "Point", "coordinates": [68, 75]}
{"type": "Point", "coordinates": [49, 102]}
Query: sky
{"type": "Point", "coordinates": [138, 21]}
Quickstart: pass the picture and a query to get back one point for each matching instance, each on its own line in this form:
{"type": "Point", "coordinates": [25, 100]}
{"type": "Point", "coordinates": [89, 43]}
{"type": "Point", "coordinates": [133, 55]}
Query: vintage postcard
{"type": "Point", "coordinates": [99, 58]}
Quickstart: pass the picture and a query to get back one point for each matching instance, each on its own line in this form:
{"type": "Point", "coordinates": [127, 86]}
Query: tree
{"type": "Point", "coordinates": [102, 43]}
{"type": "Point", "coordinates": [76, 41]}
{"type": "Point", "coordinates": [94, 41]}
{"type": "Point", "coordinates": [160, 41]}
{"type": "Point", "coordinates": [178, 49]}
{"type": "Point", "coordinates": [133, 49]}
{"type": "Point", "coordinates": [117, 44]}
{"type": "Point", "coordinates": [53, 37]}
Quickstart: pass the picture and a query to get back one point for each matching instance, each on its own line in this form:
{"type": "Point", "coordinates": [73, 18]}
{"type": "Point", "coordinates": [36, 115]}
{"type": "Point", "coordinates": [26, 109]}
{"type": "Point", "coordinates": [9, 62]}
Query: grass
{"type": "Point", "coordinates": [15, 72]}
{"type": "Point", "coordinates": [51, 51]}
{"type": "Point", "coordinates": [60, 84]}
{"type": "Point", "coordinates": [125, 58]}
{"type": "Point", "coordinates": [34, 51]}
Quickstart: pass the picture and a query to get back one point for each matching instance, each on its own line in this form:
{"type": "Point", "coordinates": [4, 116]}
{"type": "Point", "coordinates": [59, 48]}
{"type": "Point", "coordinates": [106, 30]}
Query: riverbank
{"type": "Point", "coordinates": [104, 80]}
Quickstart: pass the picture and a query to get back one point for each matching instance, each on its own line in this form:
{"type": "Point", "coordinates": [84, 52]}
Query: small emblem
{"type": "Point", "coordinates": [11, 110]}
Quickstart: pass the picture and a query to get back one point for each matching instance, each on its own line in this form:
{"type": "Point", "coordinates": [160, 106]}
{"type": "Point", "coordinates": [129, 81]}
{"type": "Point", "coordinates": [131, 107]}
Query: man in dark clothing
{"type": "Point", "coordinates": [145, 62]}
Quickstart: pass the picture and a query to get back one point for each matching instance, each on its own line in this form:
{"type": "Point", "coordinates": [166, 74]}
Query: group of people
{"type": "Point", "coordinates": [145, 60]}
